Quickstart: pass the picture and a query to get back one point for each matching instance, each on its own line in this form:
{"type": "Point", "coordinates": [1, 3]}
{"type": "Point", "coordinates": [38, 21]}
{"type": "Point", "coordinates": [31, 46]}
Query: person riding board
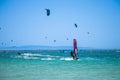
{"type": "Point", "coordinates": [74, 53]}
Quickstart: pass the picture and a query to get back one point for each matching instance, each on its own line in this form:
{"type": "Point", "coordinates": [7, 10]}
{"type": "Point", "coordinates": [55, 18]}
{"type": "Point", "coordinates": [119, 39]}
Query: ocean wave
{"type": "Point", "coordinates": [38, 55]}
{"type": "Point", "coordinates": [63, 58]}
{"type": "Point", "coordinates": [60, 58]}
{"type": "Point", "coordinates": [25, 57]}
{"type": "Point", "coordinates": [118, 51]}
{"type": "Point", "coordinates": [30, 54]}
{"type": "Point", "coordinates": [50, 57]}
{"type": "Point", "coordinates": [66, 58]}
{"type": "Point", "coordinates": [88, 58]}
{"type": "Point", "coordinates": [47, 59]}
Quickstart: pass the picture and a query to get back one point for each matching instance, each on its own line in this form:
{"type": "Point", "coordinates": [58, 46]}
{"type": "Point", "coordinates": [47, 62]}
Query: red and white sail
{"type": "Point", "coordinates": [75, 48]}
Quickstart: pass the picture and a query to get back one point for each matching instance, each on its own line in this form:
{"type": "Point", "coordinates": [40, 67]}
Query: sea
{"type": "Point", "coordinates": [59, 65]}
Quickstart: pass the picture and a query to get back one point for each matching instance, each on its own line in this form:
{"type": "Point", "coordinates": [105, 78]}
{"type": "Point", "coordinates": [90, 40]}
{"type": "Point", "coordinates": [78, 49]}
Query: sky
{"type": "Point", "coordinates": [24, 22]}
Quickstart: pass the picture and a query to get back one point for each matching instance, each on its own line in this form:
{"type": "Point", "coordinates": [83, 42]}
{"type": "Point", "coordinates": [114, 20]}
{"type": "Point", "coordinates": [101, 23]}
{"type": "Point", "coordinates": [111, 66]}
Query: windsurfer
{"type": "Point", "coordinates": [74, 54]}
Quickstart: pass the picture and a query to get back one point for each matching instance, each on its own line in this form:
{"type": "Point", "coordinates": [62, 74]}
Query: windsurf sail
{"type": "Point", "coordinates": [75, 49]}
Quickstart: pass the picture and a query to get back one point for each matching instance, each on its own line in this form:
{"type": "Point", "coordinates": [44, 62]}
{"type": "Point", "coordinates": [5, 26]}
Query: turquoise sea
{"type": "Point", "coordinates": [59, 65]}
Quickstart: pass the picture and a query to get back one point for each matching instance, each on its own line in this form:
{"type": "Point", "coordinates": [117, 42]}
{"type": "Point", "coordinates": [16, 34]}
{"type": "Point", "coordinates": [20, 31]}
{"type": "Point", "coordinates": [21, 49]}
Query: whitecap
{"type": "Point", "coordinates": [66, 58]}
{"type": "Point", "coordinates": [30, 54]}
{"type": "Point", "coordinates": [47, 59]}
{"type": "Point", "coordinates": [89, 58]}
{"type": "Point", "coordinates": [38, 55]}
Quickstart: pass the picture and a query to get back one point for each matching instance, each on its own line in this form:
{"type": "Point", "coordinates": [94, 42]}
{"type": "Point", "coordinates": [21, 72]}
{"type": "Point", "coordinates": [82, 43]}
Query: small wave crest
{"type": "Point", "coordinates": [66, 58]}
{"type": "Point", "coordinates": [47, 59]}
{"type": "Point", "coordinates": [50, 57]}
{"type": "Point", "coordinates": [36, 56]}
{"type": "Point", "coordinates": [42, 57]}
{"type": "Point", "coordinates": [88, 58]}
{"type": "Point", "coordinates": [63, 58]}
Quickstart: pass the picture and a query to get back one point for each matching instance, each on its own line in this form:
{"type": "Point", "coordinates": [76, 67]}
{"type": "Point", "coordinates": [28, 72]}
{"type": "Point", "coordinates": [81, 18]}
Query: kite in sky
{"type": "Point", "coordinates": [11, 40]}
{"type": "Point", "coordinates": [48, 12]}
{"type": "Point", "coordinates": [54, 41]}
{"type": "Point", "coordinates": [76, 25]}
{"type": "Point", "coordinates": [88, 32]}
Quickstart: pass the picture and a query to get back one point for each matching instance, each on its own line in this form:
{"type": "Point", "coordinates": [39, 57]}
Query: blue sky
{"type": "Point", "coordinates": [25, 22]}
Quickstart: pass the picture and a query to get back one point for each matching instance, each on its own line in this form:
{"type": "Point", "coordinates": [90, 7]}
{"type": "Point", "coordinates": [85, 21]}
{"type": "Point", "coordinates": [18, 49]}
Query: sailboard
{"type": "Point", "coordinates": [75, 49]}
